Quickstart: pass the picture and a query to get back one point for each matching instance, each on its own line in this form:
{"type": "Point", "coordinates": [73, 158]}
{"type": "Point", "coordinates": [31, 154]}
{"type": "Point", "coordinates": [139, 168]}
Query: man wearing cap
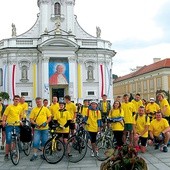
{"type": "Point", "coordinates": [152, 108]}
{"type": "Point", "coordinates": [164, 106]}
{"type": "Point", "coordinates": [93, 119]}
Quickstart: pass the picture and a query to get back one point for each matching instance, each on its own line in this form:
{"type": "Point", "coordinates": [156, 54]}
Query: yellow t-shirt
{"type": "Point", "coordinates": [54, 108]}
{"type": "Point", "coordinates": [42, 117]}
{"type": "Point", "coordinates": [141, 122]}
{"type": "Point", "coordinates": [13, 113]}
{"type": "Point", "coordinates": [128, 109]}
{"type": "Point", "coordinates": [104, 106]}
{"type": "Point", "coordinates": [84, 110]}
{"type": "Point", "coordinates": [62, 117]}
{"type": "Point", "coordinates": [93, 117]}
{"type": "Point", "coordinates": [151, 108]}
{"type": "Point", "coordinates": [117, 126]}
{"type": "Point", "coordinates": [158, 126]}
{"type": "Point", "coordinates": [137, 104]}
{"type": "Point", "coordinates": [24, 108]}
{"type": "Point", "coordinates": [163, 103]}
{"type": "Point", "coordinates": [0, 111]}
{"type": "Point", "coordinates": [71, 108]}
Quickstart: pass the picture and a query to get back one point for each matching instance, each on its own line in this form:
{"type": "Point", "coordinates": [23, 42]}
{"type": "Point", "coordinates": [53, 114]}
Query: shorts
{"type": "Point", "coordinates": [128, 127]}
{"type": "Point", "coordinates": [40, 135]}
{"type": "Point", "coordinates": [93, 136]}
{"type": "Point", "coordinates": [72, 126]}
{"type": "Point", "coordinates": [3, 128]}
{"type": "Point", "coordinates": [143, 141]}
{"type": "Point", "coordinates": [8, 131]}
{"type": "Point", "coordinates": [63, 135]}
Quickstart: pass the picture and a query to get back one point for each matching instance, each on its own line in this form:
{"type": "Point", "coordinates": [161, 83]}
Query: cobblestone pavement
{"type": "Point", "coordinates": [155, 159]}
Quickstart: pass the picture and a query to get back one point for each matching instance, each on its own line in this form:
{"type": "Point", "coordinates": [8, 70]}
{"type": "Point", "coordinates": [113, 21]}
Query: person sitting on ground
{"type": "Point", "coordinates": [159, 132]}
{"type": "Point", "coordinates": [141, 124]}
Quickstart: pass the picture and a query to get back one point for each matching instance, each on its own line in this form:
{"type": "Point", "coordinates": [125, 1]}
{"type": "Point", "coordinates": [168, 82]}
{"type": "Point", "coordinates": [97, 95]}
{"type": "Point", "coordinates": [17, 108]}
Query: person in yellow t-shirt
{"type": "Point", "coordinates": [164, 106]}
{"type": "Point", "coordinates": [116, 116]}
{"type": "Point", "coordinates": [137, 102]}
{"type": "Point", "coordinates": [2, 109]}
{"type": "Point", "coordinates": [159, 132]}
{"type": "Point", "coordinates": [71, 108]}
{"type": "Point", "coordinates": [93, 120]}
{"type": "Point", "coordinates": [11, 117]}
{"type": "Point", "coordinates": [84, 107]}
{"type": "Point", "coordinates": [54, 106]}
{"type": "Point", "coordinates": [62, 117]}
{"type": "Point", "coordinates": [104, 107]}
{"type": "Point", "coordinates": [40, 116]}
{"type": "Point", "coordinates": [129, 110]}
{"type": "Point", "coordinates": [152, 108]}
{"type": "Point", "coordinates": [141, 124]}
{"type": "Point", "coordinates": [24, 106]}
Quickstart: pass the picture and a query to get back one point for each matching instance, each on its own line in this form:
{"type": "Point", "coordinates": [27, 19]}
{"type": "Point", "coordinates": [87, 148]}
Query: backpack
{"type": "Point", "coordinates": [25, 133]}
{"type": "Point", "coordinates": [88, 111]}
{"type": "Point", "coordinates": [136, 117]}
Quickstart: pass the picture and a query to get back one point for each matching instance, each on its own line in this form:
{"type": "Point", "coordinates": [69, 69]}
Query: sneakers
{"type": "Point", "coordinates": [156, 146]}
{"type": "Point", "coordinates": [165, 149]}
{"type": "Point", "coordinates": [92, 154]}
{"type": "Point", "coordinates": [34, 157]}
{"type": "Point", "coordinates": [6, 157]}
{"type": "Point", "coordinates": [97, 153]}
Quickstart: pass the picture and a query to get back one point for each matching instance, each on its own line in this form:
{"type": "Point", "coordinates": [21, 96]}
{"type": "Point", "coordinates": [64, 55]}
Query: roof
{"type": "Point", "coordinates": [146, 69]}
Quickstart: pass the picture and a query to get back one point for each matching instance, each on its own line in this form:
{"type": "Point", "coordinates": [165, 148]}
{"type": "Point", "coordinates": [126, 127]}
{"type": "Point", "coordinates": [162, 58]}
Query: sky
{"type": "Point", "coordinates": [139, 30]}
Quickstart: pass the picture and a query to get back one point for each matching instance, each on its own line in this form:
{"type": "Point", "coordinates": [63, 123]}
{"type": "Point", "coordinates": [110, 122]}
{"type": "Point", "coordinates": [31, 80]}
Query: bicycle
{"type": "Point", "coordinates": [77, 144]}
{"type": "Point", "coordinates": [54, 148]}
{"type": "Point", "coordinates": [104, 143]}
{"type": "Point", "coordinates": [14, 146]}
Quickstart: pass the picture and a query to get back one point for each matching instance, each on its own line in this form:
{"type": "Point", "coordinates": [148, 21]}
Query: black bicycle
{"type": "Point", "coordinates": [54, 148]}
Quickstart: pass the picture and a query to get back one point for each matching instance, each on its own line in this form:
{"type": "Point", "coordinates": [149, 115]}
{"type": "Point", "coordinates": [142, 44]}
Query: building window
{"type": "Point", "coordinates": [145, 85]}
{"type": "Point", "coordinates": [151, 84]}
{"type": "Point", "coordinates": [158, 83]}
{"type": "Point", "coordinates": [57, 8]}
{"type": "Point", "coordinates": [1, 77]}
{"type": "Point", "coordinates": [90, 93]}
{"type": "Point", "coordinates": [133, 87]}
{"type": "Point", "coordinates": [139, 87]}
{"type": "Point", "coordinates": [24, 93]}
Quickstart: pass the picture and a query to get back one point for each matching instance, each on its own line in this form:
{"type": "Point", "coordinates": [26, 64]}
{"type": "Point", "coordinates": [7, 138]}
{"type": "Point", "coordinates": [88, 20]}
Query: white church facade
{"type": "Point", "coordinates": [56, 57]}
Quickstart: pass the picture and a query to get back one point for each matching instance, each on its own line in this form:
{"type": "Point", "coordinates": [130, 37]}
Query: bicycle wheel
{"type": "Point", "coordinates": [27, 148]}
{"type": "Point", "coordinates": [103, 144]}
{"type": "Point", "coordinates": [53, 151]}
{"type": "Point", "coordinates": [76, 148]}
{"type": "Point", "coordinates": [14, 152]}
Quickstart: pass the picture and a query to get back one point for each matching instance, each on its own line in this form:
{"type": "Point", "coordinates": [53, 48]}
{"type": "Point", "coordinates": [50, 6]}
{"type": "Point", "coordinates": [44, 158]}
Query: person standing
{"type": "Point", "coordinates": [152, 108]}
{"type": "Point", "coordinates": [93, 120]}
{"type": "Point", "coordinates": [137, 102]}
{"type": "Point", "coordinates": [71, 108]}
{"type": "Point", "coordinates": [104, 107]}
{"type": "Point", "coordinates": [24, 106]}
{"type": "Point", "coordinates": [141, 124]}
{"type": "Point", "coordinates": [2, 109]}
{"type": "Point", "coordinates": [164, 106]}
{"type": "Point", "coordinates": [84, 107]}
{"type": "Point", "coordinates": [54, 106]}
{"type": "Point", "coordinates": [129, 111]}
{"type": "Point", "coordinates": [12, 117]}
{"type": "Point", "coordinates": [40, 116]}
{"type": "Point", "coordinates": [116, 115]}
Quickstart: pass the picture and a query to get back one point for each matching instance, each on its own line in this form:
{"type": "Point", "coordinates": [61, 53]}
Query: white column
{"type": "Point", "coordinates": [45, 78]}
{"type": "Point", "coordinates": [73, 78]}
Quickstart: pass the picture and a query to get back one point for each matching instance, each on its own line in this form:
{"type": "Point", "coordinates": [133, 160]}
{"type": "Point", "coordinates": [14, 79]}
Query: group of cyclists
{"type": "Point", "coordinates": [132, 121]}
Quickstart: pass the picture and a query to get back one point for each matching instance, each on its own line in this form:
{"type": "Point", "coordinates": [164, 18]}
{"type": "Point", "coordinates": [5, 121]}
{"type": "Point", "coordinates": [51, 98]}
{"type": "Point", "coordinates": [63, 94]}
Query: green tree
{"type": "Point", "coordinates": [4, 95]}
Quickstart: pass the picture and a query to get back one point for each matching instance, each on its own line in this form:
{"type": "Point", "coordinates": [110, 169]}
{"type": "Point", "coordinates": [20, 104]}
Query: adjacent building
{"type": "Point", "coordinates": [146, 80]}
{"type": "Point", "coordinates": [56, 57]}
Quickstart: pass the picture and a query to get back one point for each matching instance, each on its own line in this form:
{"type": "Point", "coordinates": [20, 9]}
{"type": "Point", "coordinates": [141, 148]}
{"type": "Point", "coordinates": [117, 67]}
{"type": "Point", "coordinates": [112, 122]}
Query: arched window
{"type": "Point", "coordinates": [24, 72]}
{"type": "Point", "coordinates": [57, 8]}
